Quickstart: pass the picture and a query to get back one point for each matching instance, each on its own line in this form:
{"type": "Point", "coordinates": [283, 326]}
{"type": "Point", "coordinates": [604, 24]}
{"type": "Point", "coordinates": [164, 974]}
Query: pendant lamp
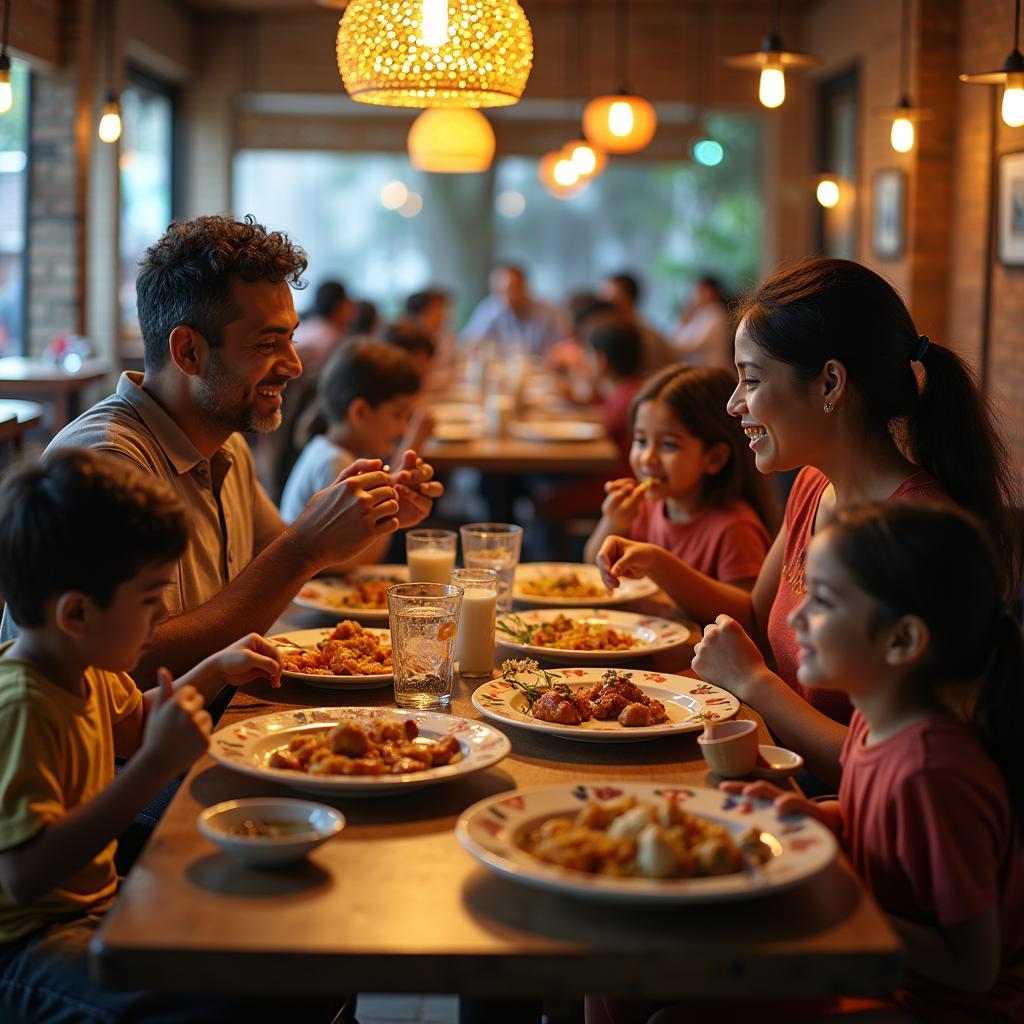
{"type": "Point", "coordinates": [621, 122]}
{"type": "Point", "coordinates": [451, 141]}
{"type": "Point", "coordinates": [904, 116]}
{"type": "Point", "coordinates": [1010, 76]}
{"type": "Point", "coordinates": [435, 53]}
{"type": "Point", "coordinates": [773, 60]}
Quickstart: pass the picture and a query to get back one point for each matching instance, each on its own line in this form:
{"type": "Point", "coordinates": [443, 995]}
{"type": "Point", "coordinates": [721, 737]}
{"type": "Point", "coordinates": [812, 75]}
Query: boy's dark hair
{"type": "Point", "coordinates": [419, 302]}
{"type": "Point", "coordinates": [619, 342]}
{"type": "Point", "coordinates": [410, 338]}
{"type": "Point", "coordinates": [364, 319]}
{"type": "Point", "coordinates": [82, 520]}
{"type": "Point", "coordinates": [372, 370]}
{"type": "Point", "coordinates": [185, 277]}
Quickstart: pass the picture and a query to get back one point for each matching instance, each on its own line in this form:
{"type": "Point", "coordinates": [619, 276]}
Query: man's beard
{"type": "Point", "coordinates": [223, 403]}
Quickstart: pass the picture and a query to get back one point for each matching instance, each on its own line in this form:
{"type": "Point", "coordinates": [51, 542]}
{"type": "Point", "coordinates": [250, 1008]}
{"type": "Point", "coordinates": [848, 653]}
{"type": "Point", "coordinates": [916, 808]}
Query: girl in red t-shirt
{"type": "Point", "coordinates": [697, 494]}
{"type": "Point", "coordinates": [833, 376]}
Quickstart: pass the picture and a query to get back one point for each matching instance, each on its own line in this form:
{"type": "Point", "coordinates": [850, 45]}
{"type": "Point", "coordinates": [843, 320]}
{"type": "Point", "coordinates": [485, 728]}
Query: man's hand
{"type": "Point", "coordinates": [342, 519]}
{"type": "Point", "coordinates": [417, 489]}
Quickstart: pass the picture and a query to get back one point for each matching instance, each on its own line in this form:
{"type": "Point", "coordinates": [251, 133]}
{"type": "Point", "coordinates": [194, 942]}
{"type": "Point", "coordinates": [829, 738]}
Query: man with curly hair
{"type": "Point", "coordinates": [217, 320]}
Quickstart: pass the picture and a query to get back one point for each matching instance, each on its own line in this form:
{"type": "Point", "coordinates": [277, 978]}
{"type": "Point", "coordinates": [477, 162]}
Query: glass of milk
{"type": "Point", "coordinates": [474, 647]}
{"type": "Point", "coordinates": [494, 546]}
{"type": "Point", "coordinates": [424, 621]}
{"type": "Point", "coordinates": [430, 555]}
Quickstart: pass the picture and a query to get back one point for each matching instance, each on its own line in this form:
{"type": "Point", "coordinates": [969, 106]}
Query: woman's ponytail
{"type": "Point", "coordinates": [952, 436]}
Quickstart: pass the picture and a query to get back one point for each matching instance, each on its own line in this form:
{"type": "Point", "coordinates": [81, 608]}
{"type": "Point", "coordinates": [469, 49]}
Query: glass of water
{"type": "Point", "coordinates": [424, 620]}
{"type": "Point", "coordinates": [494, 546]}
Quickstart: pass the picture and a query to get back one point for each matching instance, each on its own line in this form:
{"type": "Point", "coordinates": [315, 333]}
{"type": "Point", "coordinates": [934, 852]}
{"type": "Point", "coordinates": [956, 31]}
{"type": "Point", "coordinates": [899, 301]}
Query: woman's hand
{"type": "Point", "coordinates": [727, 657]}
{"type": "Point", "coordinates": [620, 557]}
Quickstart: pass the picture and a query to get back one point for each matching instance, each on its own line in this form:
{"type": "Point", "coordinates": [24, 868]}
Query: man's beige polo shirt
{"type": "Point", "coordinates": [230, 516]}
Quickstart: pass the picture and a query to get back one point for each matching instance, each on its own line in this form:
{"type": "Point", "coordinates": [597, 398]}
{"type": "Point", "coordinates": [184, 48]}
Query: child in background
{"type": "Point", "coordinates": [416, 342]}
{"type": "Point", "coordinates": [696, 496]}
{"type": "Point", "coordinates": [88, 546]}
{"type": "Point", "coordinates": [367, 394]}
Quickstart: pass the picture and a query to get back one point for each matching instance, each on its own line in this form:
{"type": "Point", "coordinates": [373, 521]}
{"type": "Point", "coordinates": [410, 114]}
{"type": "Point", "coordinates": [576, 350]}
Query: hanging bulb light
{"type": "Point", "coordinates": [773, 60]}
{"type": "Point", "coordinates": [827, 192]}
{"type": "Point", "coordinates": [110, 120]}
{"type": "Point", "coordinates": [451, 141]}
{"type": "Point", "coordinates": [435, 53]}
{"type": "Point", "coordinates": [1010, 76]}
{"type": "Point", "coordinates": [559, 177]}
{"type": "Point", "coordinates": [6, 93]}
{"type": "Point", "coordinates": [904, 116]}
{"type": "Point", "coordinates": [621, 122]}
{"type": "Point", "coordinates": [588, 160]}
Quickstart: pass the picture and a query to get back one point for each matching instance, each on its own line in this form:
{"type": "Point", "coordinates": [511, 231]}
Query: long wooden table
{"type": "Point", "coordinates": [512, 455]}
{"type": "Point", "coordinates": [395, 905]}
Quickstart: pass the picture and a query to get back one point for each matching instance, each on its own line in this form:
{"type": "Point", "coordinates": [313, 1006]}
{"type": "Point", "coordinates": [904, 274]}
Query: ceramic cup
{"type": "Point", "coordinates": [730, 748]}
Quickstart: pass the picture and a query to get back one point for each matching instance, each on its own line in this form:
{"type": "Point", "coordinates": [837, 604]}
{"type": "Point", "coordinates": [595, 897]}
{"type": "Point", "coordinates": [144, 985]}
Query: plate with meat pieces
{"type": "Point", "coordinates": [357, 751]}
{"type": "Point", "coordinates": [598, 705]}
{"type": "Point", "coordinates": [348, 657]}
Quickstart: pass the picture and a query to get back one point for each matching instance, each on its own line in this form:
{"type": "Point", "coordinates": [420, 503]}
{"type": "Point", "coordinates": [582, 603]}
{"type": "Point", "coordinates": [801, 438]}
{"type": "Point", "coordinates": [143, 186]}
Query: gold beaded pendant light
{"type": "Point", "coordinates": [435, 53]}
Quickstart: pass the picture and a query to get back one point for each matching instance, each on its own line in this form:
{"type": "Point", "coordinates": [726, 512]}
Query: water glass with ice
{"type": "Point", "coordinates": [424, 621]}
{"type": "Point", "coordinates": [494, 546]}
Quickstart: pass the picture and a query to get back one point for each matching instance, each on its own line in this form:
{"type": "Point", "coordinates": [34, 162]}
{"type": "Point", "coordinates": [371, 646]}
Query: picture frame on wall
{"type": "Point", "coordinates": [887, 214]}
{"type": "Point", "coordinates": [1010, 210]}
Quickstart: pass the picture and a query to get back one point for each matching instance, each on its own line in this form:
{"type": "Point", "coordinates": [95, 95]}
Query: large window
{"type": "Point", "coordinates": [13, 212]}
{"type": "Point", "coordinates": [387, 230]}
{"type": "Point", "coordinates": [147, 180]}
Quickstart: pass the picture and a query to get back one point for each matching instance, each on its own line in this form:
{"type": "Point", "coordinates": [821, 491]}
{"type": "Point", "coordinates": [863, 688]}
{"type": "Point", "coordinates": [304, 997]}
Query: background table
{"type": "Point", "coordinates": [48, 382]}
{"type": "Point", "coordinates": [395, 905]}
{"type": "Point", "coordinates": [16, 420]}
{"type": "Point", "coordinates": [512, 455]}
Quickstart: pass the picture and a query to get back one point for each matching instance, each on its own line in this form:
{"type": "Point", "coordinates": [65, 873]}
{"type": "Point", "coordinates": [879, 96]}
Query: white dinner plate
{"type": "Point", "coordinates": [334, 594]}
{"type": "Point", "coordinates": [457, 412]}
{"type": "Point", "coordinates": [458, 432]}
{"type": "Point", "coordinates": [627, 590]}
{"type": "Point", "coordinates": [247, 746]}
{"type": "Point", "coordinates": [555, 431]}
{"type": "Point", "coordinates": [654, 633]}
{"type": "Point", "coordinates": [308, 639]}
{"type": "Point", "coordinates": [685, 700]}
{"type": "Point", "coordinates": [492, 830]}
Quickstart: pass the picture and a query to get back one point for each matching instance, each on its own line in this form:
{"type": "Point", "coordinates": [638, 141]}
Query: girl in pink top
{"type": "Point", "coordinates": [697, 495]}
{"type": "Point", "coordinates": [832, 375]}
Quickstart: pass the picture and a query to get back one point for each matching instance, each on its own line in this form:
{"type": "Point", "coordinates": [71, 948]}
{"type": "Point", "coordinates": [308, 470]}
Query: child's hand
{"type": "Point", "coordinates": [177, 729]}
{"type": "Point", "coordinates": [621, 503]}
{"type": "Point", "coordinates": [727, 657]}
{"type": "Point", "coordinates": [246, 660]}
{"type": "Point", "coordinates": [417, 489]}
{"type": "Point", "coordinates": [784, 801]}
{"type": "Point", "coordinates": [619, 557]}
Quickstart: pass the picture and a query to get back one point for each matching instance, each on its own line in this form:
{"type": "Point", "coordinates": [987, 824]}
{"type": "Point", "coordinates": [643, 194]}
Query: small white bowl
{"type": "Point", "coordinates": [218, 821]}
{"type": "Point", "coordinates": [776, 762]}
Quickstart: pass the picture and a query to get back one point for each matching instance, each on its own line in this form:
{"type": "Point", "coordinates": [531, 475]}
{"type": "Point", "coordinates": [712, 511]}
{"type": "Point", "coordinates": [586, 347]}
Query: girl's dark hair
{"type": "Point", "coordinates": [697, 397]}
{"type": "Point", "coordinates": [936, 562]}
{"type": "Point", "coordinates": [823, 309]}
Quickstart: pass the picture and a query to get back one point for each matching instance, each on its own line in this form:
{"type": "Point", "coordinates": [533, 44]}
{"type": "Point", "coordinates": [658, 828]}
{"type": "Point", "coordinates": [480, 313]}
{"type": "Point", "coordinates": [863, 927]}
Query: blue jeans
{"type": "Point", "coordinates": [44, 979]}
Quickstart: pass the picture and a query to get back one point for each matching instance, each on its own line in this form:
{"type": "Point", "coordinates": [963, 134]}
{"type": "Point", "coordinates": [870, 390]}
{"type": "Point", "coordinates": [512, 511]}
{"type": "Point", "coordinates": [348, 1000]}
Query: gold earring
{"type": "Point", "coordinates": [829, 407]}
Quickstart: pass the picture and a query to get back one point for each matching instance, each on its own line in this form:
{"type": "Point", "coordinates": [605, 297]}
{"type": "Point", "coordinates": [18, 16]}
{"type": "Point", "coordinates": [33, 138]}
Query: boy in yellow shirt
{"type": "Point", "coordinates": [88, 546]}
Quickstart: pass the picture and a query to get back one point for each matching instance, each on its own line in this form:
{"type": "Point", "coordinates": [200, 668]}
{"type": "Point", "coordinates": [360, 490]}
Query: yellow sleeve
{"type": "Point", "coordinates": [30, 791]}
{"type": "Point", "coordinates": [124, 696]}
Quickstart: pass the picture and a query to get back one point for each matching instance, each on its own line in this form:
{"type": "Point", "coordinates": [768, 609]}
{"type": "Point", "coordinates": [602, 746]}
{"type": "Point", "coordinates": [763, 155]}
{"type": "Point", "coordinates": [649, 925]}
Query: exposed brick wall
{"type": "Point", "coordinates": [985, 40]}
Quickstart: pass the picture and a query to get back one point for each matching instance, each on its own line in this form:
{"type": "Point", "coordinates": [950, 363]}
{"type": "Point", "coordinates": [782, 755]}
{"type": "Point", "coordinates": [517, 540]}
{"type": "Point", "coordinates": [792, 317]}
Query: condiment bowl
{"type": "Point", "coordinates": [304, 824]}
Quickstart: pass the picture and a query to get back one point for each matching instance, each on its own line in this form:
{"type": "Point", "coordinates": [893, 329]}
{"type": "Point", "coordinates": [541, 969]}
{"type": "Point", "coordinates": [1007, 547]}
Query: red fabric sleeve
{"type": "Point", "coordinates": [947, 839]}
{"type": "Point", "coordinates": [742, 551]}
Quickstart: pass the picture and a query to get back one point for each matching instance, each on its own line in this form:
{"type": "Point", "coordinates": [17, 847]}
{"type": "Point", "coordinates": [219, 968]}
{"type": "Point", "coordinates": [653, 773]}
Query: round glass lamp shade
{"type": "Point", "coordinates": [619, 124]}
{"type": "Point", "coordinates": [432, 53]}
{"type": "Point", "coordinates": [451, 141]}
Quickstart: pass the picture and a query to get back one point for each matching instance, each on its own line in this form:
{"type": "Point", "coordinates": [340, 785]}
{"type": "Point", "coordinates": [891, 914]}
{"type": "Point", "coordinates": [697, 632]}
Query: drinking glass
{"type": "Point", "coordinates": [494, 546]}
{"type": "Point", "coordinates": [430, 555]}
{"type": "Point", "coordinates": [474, 647]}
{"type": "Point", "coordinates": [424, 620]}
